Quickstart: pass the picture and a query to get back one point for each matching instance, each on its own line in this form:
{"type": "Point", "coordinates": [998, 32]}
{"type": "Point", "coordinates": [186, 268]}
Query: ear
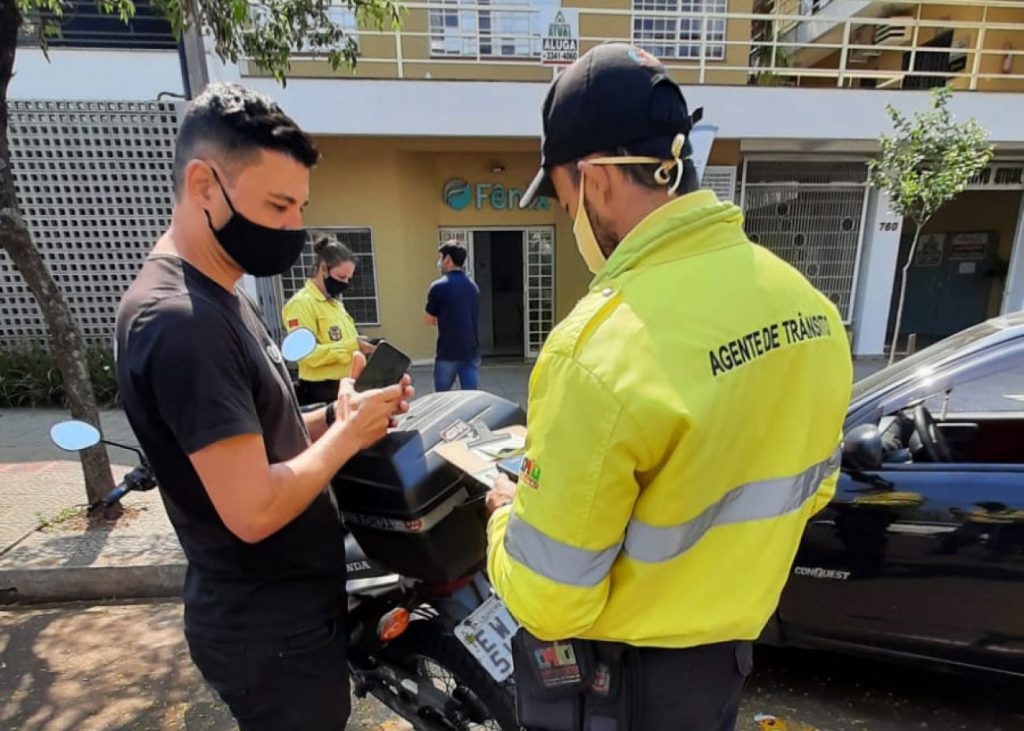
{"type": "Point", "coordinates": [200, 185]}
{"type": "Point", "coordinates": [601, 182]}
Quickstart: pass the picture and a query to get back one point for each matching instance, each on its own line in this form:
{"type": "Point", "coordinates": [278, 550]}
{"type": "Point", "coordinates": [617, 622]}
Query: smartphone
{"type": "Point", "coordinates": [512, 466]}
{"type": "Point", "coordinates": [385, 368]}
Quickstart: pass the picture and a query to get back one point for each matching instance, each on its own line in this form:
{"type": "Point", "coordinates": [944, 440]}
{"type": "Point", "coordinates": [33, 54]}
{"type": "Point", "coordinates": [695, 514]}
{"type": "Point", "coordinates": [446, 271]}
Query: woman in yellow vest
{"type": "Point", "coordinates": [317, 307]}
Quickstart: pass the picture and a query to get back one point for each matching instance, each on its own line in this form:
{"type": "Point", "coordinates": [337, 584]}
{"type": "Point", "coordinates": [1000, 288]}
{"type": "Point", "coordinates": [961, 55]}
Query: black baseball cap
{"type": "Point", "coordinates": [616, 95]}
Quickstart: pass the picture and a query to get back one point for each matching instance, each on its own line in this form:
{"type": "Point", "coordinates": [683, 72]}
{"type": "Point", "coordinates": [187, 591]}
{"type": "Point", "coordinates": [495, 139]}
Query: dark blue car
{"type": "Point", "coordinates": [920, 555]}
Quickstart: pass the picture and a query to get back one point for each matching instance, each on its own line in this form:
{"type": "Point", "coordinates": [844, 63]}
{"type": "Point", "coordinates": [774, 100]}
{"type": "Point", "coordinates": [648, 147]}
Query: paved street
{"type": "Point", "coordinates": [124, 667]}
{"type": "Point", "coordinates": [24, 433]}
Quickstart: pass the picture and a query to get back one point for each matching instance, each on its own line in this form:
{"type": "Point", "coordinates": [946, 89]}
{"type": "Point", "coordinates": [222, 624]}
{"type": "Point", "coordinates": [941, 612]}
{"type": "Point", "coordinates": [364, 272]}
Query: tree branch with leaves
{"type": "Point", "coordinates": [267, 32]}
{"type": "Point", "coordinates": [928, 161]}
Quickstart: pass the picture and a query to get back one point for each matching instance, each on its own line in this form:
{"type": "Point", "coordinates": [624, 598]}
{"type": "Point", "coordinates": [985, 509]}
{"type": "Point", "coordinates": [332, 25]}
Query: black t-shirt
{"type": "Point", "coordinates": [195, 365]}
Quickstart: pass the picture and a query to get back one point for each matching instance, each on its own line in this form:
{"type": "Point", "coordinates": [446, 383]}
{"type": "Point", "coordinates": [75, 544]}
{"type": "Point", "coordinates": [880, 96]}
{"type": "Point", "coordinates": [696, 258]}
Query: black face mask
{"type": "Point", "coordinates": [334, 286]}
{"type": "Point", "coordinates": [258, 250]}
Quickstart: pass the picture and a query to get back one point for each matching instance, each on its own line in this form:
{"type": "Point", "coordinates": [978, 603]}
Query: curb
{"type": "Point", "coordinates": [25, 586]}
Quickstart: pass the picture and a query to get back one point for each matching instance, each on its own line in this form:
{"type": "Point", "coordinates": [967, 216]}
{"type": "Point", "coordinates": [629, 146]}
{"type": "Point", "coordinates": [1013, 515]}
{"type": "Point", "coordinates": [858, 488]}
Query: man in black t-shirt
{"type": "Point", "coordinates": [241, 470]}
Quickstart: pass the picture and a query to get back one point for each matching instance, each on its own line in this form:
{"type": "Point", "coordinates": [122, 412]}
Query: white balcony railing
{"type": "Point", "coordinates": [758, 48]}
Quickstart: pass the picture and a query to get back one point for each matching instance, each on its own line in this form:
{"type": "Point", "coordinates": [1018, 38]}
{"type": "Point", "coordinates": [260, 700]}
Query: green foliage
{"type": "Point", "coordinates": [930, 159]}
{"type": "Point", "coordinates": [29, 377]}
{"type": "Point", "coordinates": [268, 32]}
{"type": "Point", "coordinates": [63, 516]}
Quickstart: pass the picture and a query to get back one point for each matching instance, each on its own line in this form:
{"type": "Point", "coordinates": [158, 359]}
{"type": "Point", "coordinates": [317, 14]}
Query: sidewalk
{"type": "Point", "coordinates": [140, 555]}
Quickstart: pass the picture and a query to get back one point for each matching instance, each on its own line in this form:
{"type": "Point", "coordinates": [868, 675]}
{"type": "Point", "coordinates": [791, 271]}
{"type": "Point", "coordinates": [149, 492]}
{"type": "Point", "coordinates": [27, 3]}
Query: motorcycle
{"type": "Point", "coordinates": [427, 635]}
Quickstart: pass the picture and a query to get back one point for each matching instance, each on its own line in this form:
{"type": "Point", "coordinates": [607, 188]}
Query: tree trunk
{"type": "Point", "coordinates": [65, 338]}
{"type": "Point", "coordinates": [903, 295]}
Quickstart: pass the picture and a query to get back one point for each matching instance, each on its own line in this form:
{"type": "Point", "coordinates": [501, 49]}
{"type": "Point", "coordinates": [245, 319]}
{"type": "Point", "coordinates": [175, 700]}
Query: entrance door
{"type": "Point", "coordinates": [534, 264]}
{"type": "Point", "coordinates": [949, 284]}
{"type": "Point", "coordinates": [498, 271]}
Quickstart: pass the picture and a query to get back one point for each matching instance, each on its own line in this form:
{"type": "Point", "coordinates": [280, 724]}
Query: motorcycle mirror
{"type": "Point", "coordinates": [74, 436]}
{"type": "Point", "coordinates": [298, 344]}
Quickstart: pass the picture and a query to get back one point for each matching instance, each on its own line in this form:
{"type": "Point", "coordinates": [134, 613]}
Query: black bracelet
{"type": "Point", "coordinates": [329, 414]}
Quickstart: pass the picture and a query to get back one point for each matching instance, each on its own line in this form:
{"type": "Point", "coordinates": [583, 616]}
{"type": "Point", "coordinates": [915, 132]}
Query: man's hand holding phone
{"type": "Point", "coordinates": [369, 413]}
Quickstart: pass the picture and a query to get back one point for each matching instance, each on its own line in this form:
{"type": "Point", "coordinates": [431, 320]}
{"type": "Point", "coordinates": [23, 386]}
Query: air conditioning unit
{"type": "Point", "coordinates": [863, 36]}
{"type": "Point", "coordinates": [893, 35]}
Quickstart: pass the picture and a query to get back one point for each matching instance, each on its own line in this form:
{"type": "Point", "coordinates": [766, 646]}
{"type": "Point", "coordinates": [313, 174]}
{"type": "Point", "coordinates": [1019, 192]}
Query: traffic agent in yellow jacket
{"type": "Point", "coordinates": [684, 424]}
{"type": "Point", "coordinates": [336, 335]}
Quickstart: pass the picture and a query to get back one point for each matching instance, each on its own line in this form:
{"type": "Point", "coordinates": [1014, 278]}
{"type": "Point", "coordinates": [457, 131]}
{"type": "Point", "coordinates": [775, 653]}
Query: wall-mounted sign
{"type": "Point", "coordinates": [560, 45]}
{"type": "Point", "coordinates": [968, 247]}
{"type": "Point", "coordinates": [929, 250]}
{"type": "Point", "coordinates": [722, 180]}
{"type": "Point", "coordinates": [459, 194]}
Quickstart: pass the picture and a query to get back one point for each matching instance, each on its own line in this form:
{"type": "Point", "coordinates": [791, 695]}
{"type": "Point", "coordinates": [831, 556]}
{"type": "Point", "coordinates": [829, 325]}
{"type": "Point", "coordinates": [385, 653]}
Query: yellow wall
{"type": "Point", "coordinates": [995, 41]}
{"type": "Point", "coordinates": [378, 53]}
{"type": "Point", "coordinates": [393, 186]}
{"type": "Point", "coordinates": [1003, 40]}
{"type": "Point", "coordinates": [979, 211]}
{"type": "Point", "coordinates": [725, 152]}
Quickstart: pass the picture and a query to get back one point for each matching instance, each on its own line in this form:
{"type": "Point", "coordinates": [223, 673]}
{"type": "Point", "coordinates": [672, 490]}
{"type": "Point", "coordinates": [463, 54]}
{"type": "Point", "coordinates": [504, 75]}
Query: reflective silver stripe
{"type": "Point", "coordinates": [555, 560]}
{"type": "Point", "coordinates": [753, 501]}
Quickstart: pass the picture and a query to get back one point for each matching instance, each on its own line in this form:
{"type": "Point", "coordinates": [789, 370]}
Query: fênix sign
{"type": "Point", "coordinates": [460, 194]}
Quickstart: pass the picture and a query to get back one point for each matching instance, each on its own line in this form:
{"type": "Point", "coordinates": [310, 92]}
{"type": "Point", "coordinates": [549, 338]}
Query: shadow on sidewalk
{"type": "Point", "coordinates": [81, 669]}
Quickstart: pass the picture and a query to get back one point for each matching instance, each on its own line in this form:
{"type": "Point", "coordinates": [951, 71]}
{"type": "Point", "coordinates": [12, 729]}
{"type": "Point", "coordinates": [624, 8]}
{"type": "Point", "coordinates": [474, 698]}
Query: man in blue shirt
{"type": "Point", "coordinates": [453, 305]}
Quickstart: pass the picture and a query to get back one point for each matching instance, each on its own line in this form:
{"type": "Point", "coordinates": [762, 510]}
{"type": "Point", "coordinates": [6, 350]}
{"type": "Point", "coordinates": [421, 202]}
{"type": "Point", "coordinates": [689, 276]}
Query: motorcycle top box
{"type": "Point", "coordinates": [410, 509]}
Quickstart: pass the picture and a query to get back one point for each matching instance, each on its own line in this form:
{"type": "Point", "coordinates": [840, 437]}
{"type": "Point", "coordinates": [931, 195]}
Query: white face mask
{"type": "Point", "coordinates": [583, 230]}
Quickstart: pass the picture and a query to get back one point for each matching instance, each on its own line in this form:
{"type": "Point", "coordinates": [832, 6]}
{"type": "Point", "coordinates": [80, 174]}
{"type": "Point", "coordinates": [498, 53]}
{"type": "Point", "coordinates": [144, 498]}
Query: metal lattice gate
{"type": "Point", "coordinates": [812, 215]}
{"type": "Point", "coordinates": [539, 277]}
{"type": "Point", "coordinates": [94, 182]}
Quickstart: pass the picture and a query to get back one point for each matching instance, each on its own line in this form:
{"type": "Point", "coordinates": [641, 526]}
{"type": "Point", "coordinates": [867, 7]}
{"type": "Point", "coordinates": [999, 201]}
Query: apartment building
{"type": "Point", "coordinates": [436, 134]}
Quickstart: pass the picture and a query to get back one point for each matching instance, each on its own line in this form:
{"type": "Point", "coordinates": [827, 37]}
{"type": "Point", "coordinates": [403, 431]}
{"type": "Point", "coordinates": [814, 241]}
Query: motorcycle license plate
{"type": "Point", "coordinates": [487, 633]}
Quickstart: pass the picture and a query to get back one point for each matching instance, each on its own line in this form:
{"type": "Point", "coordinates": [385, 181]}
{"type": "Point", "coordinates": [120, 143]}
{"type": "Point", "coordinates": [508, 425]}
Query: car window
{"type": "Point", "coordinates": [1001, 392]}
{"type": "Point", "coordinates": [923, 360]}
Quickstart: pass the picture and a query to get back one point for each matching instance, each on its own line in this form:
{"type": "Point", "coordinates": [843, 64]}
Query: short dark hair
{"type": "Point", "coordinates": [331, 252]}
{"type": "Point", "coordinates": [233, 123]}
{"type": "Point", "coordinates": [455, 250]}
{"type": "Point", "coordinates": [643, 173]}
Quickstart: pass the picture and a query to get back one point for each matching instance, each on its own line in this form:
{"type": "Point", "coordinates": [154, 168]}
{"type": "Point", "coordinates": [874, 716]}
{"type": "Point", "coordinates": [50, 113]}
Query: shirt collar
{"type": "Point", "coordinates": [677, 228]}
{"type": "Point", "coordinates": [315, 291]}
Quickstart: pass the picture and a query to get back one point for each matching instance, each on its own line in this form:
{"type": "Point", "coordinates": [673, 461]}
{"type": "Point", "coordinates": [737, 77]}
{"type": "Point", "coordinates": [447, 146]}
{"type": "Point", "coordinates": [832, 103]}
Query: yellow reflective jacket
{"type": "Point", "coordinates": [684, 424]}
{"type": "Point", "coordinates": [335, 330]}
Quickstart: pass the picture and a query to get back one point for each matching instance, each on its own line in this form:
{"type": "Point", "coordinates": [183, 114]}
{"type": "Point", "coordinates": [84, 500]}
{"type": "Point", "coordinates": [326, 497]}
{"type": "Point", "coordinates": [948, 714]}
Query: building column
{"type": "Point", "coordinates": [1013, 295]}
{"type": "Point", "coordinates": [879, 255]}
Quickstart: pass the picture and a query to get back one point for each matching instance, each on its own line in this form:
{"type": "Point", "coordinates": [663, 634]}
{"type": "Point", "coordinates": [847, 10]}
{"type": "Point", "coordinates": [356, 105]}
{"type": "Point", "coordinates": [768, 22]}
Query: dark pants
{"type": "Point", "coordinates": [317, 392]}
{"type": "Point", "coordinates": [294, 683]}
{"type": "Point", "coordinates": [696, 689]}
{"type": "Point", "coordinates": [446, 370]}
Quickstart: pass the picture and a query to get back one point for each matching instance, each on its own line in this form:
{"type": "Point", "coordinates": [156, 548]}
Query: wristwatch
{"type": "Point", "coordinates": [329, 414]}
